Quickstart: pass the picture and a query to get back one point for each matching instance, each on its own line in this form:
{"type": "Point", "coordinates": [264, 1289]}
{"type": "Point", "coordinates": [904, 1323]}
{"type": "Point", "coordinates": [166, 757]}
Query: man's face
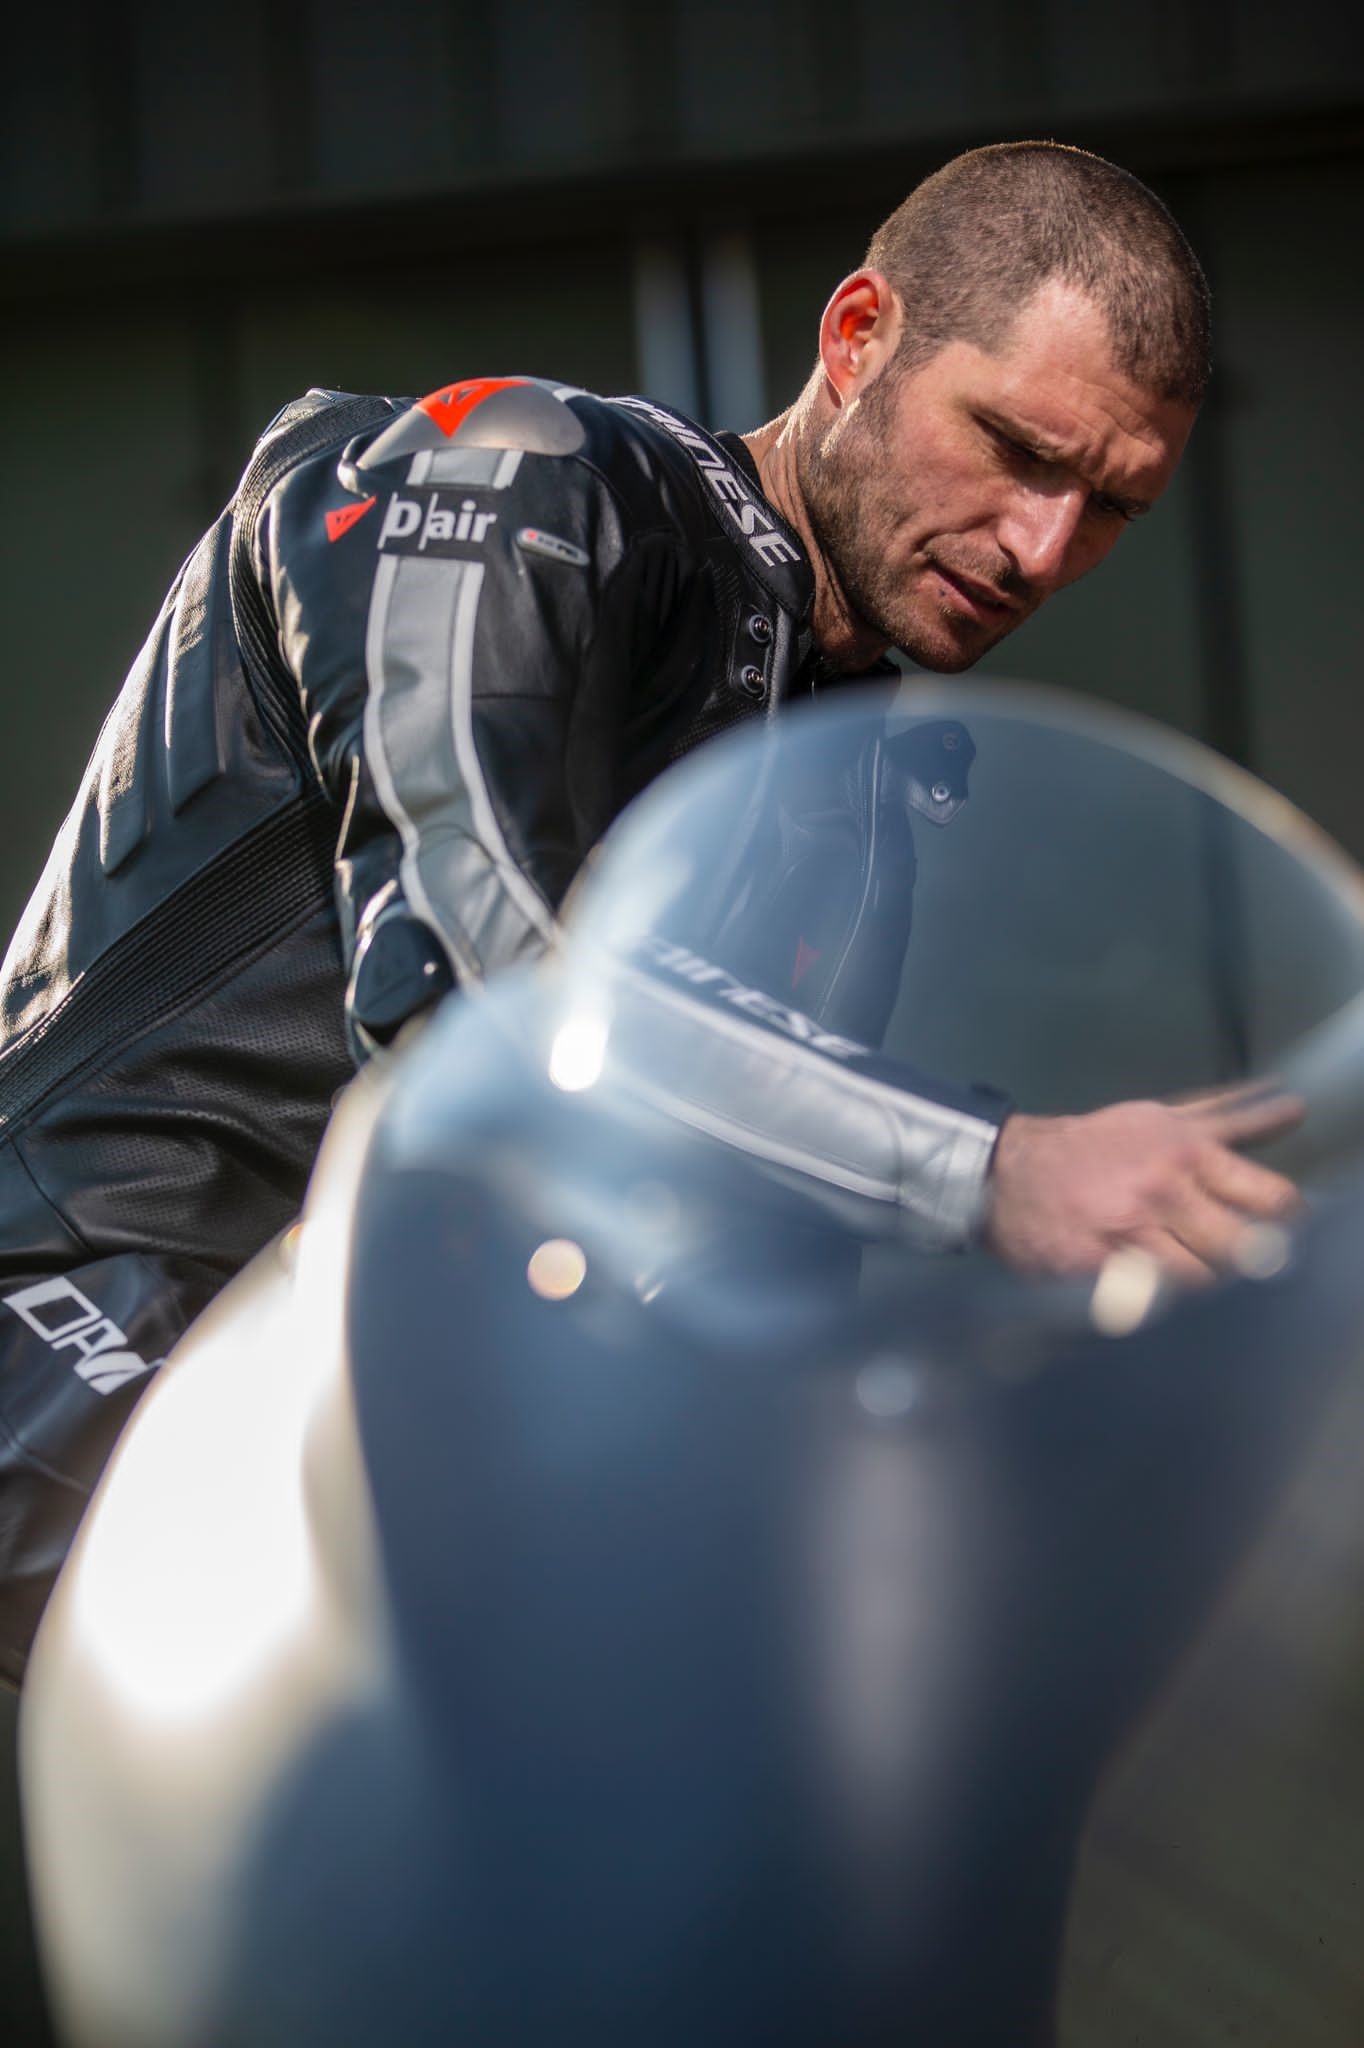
{"type": "Point", "coordinates": [949, 503]}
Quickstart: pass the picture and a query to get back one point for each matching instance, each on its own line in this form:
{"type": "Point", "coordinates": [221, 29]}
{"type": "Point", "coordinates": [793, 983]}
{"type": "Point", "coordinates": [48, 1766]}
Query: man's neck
{"type": "Point", "coordinates": [846, 641]}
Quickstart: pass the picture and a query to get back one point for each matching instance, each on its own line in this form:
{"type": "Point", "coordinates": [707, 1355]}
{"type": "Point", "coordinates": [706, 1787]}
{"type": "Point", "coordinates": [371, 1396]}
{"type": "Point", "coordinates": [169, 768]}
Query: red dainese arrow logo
{"type": "Point", "coordinates": [342, 521]}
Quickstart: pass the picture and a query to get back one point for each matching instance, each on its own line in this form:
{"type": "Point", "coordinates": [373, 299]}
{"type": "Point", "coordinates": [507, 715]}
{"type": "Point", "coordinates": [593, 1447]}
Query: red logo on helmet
{"type": "Point", "coordinates": [451, 406]}
{"type": "Point", "coordinates": [342, 521]}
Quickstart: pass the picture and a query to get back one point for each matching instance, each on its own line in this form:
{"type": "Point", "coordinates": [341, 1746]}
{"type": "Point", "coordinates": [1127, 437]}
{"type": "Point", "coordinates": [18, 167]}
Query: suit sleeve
{"type": "Point", "coordinates": [891, 1152]}
{"type": "Point", "coordinates": [464, 624]}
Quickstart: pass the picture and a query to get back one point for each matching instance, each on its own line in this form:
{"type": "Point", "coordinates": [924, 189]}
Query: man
{"type": "Point", "coordinates": [403, 685]}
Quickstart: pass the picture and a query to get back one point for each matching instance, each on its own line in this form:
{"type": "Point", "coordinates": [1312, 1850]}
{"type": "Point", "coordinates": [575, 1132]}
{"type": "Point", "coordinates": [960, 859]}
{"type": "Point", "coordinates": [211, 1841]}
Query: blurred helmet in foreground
{"type": "Point", "coordinates": [612, 1579]}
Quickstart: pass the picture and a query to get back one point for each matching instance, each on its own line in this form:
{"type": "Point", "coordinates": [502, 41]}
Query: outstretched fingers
{"type": "Point", "coordinates": [1248, 1114]}
{"type": "Point", "coordinates": [1210, 1229]}
{"type": "Point", "coordinates": [1240, 1183]}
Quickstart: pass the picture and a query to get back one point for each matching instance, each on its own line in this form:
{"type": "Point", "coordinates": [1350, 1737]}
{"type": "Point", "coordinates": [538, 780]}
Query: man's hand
{"type": "Point", "coordinates": [1069, 1190]}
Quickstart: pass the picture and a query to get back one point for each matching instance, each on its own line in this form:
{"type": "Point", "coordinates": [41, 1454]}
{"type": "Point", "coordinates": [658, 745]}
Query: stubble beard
{"type": "Point", "coordinates": [850, 508]}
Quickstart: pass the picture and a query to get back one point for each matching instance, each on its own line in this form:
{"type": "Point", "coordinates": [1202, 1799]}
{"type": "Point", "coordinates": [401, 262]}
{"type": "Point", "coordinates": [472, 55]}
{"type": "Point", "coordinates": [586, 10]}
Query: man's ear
{"type": "Point", "coordinates": [859, 333]}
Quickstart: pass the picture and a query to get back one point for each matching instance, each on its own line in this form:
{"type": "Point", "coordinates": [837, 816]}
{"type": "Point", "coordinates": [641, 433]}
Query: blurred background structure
{"type": "Point", "coordinates": [206, 209]}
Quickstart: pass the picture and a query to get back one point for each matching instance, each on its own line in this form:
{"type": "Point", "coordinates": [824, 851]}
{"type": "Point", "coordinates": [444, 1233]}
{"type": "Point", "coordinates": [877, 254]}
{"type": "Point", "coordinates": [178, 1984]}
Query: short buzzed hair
{"type": "Point", "coordinates": [973, 243]}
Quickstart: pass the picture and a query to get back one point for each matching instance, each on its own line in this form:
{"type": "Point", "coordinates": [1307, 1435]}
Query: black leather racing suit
{"type": "Point", "coordinates": [394, 697]}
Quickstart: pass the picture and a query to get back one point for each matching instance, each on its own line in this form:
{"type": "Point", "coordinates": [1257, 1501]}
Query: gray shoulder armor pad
{"type": "Point", "coordinates": [481, 412]}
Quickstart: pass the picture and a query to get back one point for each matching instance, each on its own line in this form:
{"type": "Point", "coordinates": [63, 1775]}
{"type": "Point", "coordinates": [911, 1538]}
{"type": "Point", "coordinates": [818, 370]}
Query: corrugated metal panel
{"type": "Point", "coordinates": [152, 111]}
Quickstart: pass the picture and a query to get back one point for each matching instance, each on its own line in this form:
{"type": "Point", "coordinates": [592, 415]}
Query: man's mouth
{"type": "Point", "coordinates": [984, 602]}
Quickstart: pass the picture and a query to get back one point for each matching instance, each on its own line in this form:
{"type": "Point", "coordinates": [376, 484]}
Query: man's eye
{"type": "Point", "coordinates": [1019, 450]}
{"type": "Point", "coordinates": [1023, 456]}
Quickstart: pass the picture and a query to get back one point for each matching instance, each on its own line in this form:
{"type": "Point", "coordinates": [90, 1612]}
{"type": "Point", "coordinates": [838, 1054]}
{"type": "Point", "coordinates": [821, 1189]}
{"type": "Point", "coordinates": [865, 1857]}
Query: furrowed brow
{"type": "Point", "coordinates": [1047, 450]}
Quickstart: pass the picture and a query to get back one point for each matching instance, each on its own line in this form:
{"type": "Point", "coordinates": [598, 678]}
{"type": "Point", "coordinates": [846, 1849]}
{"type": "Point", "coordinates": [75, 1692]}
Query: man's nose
{"type": "Point", "coordinates": [1038, 531]}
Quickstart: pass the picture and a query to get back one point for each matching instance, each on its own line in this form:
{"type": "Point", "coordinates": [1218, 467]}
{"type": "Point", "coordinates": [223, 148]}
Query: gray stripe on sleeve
{"type": "Point", "coordinates": [419, 740]}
